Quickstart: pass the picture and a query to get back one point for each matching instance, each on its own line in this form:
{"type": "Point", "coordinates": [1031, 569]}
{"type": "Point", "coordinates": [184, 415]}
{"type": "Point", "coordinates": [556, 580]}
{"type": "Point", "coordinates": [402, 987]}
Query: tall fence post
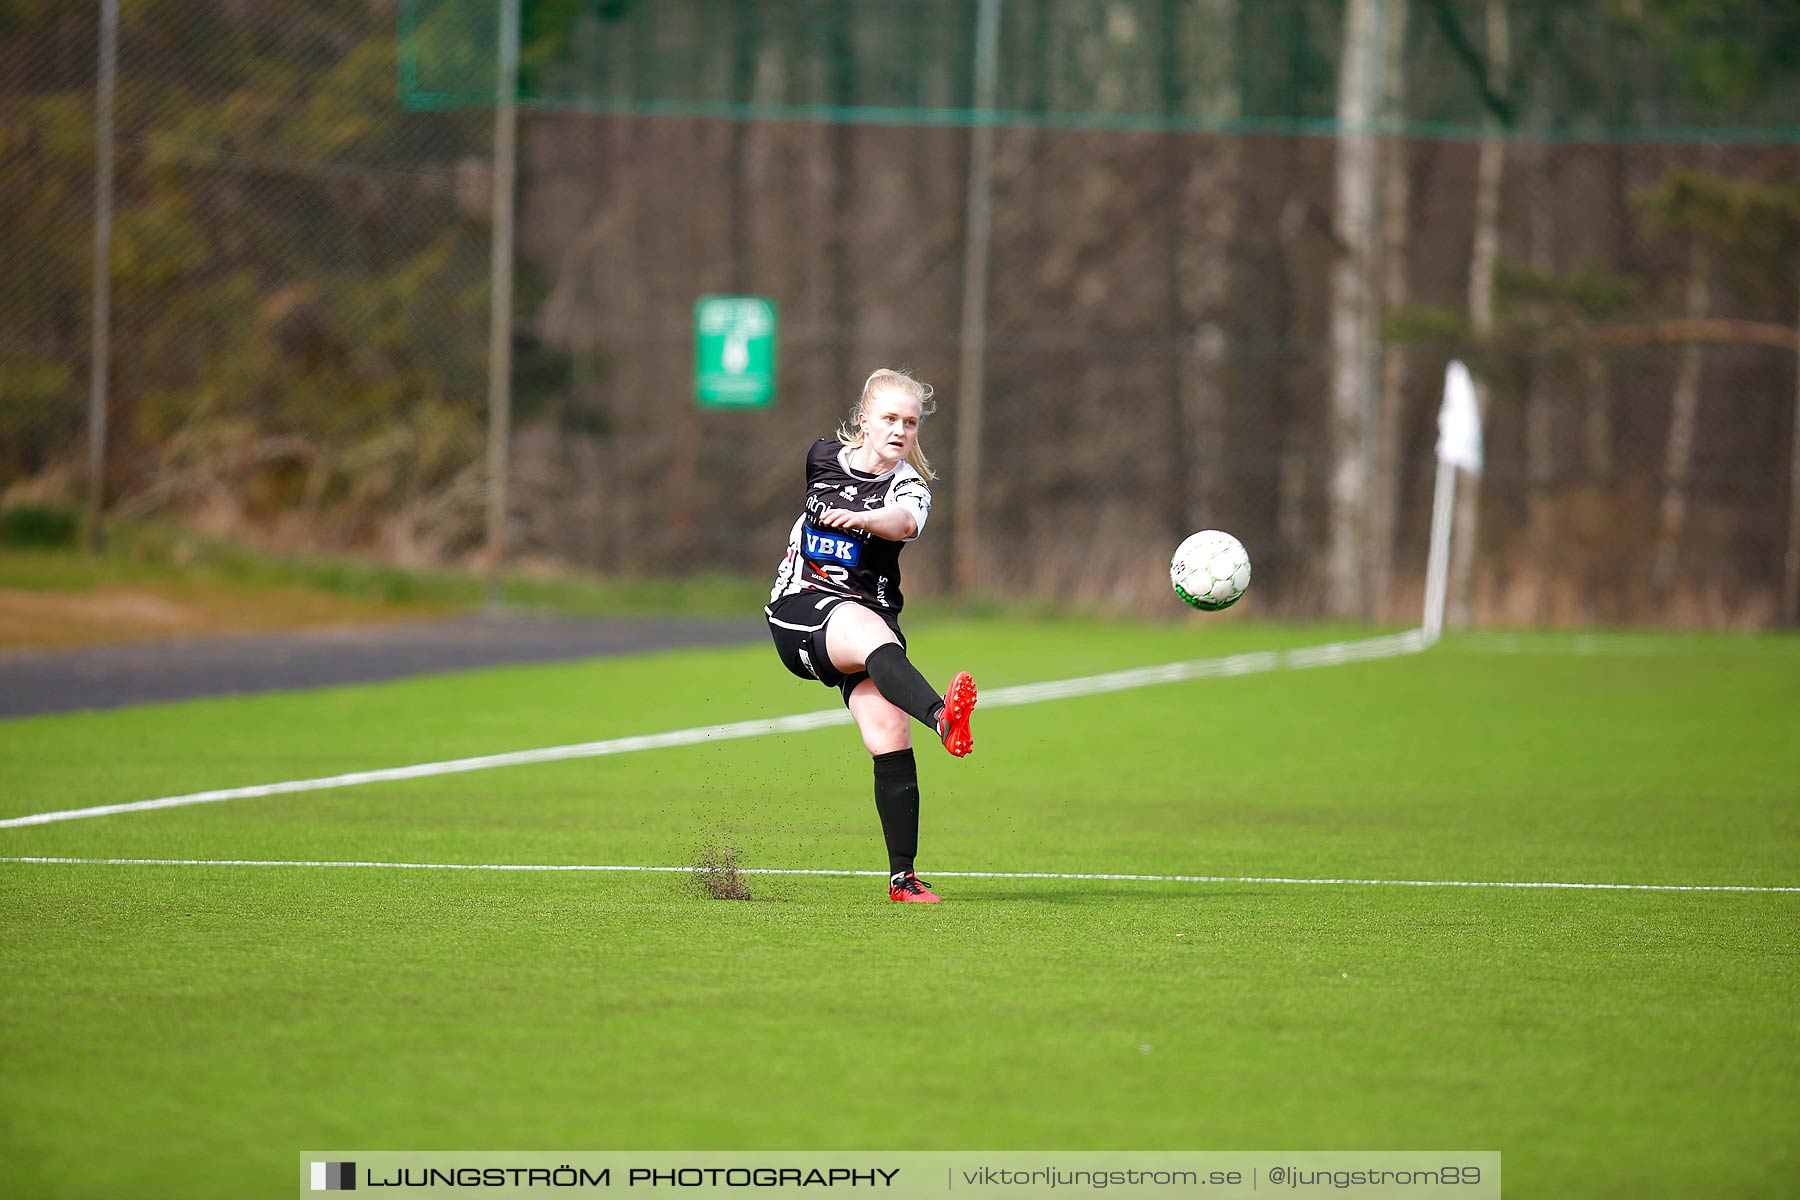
{"type": "Point", "coordinates": [100, 360]}
{"type": "Point", "coordinates": [972, 376]}
{"type": "Point", "coordinates": [499, 439]}
{"type": "Point", "coordinates": [1790, 576]}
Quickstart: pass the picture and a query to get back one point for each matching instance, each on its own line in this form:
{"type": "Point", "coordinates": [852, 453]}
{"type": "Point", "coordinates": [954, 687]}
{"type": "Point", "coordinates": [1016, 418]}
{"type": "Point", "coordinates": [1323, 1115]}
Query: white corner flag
{"type": "Point", "coordinates": [1459, 445]}
{"type": "Point", "coordinates": [1459, 420]}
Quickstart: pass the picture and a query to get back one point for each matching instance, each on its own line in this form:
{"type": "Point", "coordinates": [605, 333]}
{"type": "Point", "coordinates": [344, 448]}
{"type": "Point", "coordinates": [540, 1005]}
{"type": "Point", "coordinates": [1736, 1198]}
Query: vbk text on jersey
{"type": "Point", "coordinates": [831, 547]}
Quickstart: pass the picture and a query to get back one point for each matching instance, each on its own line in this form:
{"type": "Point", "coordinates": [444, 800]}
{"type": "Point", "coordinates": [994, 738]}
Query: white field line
{"type": "Point", "coordinates": [1388, 646]}
{"type": "Point", "coordinates": [582, 867]}
{"type": "Point", "coordinates": [1613, 645]}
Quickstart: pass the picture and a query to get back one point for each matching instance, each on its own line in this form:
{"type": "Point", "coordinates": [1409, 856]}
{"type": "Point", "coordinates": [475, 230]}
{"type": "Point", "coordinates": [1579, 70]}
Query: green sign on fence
{"type": "Point", "coordinates": [734, 351]}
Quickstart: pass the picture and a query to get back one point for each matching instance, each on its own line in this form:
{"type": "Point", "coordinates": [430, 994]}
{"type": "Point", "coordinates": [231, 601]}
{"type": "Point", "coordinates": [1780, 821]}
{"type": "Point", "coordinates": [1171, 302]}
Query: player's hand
{"type": "Point", "coordinates": [841, 518]}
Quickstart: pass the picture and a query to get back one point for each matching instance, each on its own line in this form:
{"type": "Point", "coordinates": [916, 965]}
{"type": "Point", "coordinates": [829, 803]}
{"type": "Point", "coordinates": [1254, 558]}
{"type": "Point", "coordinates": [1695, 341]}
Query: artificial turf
{"type": "Point", "coordinates": [201, 1024]}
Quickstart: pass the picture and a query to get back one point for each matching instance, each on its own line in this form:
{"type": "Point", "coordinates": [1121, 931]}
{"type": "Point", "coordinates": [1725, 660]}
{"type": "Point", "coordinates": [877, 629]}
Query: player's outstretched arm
{"type": "Point", "coordinates": [896, 522]}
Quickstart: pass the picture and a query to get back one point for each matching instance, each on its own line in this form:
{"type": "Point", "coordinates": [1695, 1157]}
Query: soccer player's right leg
{"type": "Point", "coordinates": [859, 640]}
{"type": "Point", "coordinates": [953, 716]}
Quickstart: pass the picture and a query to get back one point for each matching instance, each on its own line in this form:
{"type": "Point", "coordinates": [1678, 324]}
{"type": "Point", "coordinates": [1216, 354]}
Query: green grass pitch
{"type": "Point", "coordinates": [200, 1025]}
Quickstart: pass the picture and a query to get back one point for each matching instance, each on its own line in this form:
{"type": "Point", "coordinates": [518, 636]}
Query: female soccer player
{"type": "Point", "coordinates": [835, 609]}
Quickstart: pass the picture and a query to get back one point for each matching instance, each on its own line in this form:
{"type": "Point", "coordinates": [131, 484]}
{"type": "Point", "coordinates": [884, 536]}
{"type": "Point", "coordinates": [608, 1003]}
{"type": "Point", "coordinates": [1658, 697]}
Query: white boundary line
{"type": "Point", "coordinates": [581, 867]}
{"type": "Point", "coordinates": [1411, 642]}
{"type": "Point", "coordinates": [1620, 645]}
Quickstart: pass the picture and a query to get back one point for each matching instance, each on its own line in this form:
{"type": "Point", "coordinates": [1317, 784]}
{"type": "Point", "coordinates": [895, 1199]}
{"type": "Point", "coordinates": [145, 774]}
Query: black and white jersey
{"type": "Point", "coordinates": [849, 562]}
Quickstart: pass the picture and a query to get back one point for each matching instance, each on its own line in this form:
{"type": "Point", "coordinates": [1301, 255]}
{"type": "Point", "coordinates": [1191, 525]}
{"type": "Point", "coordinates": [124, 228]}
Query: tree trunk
{"type": "Point", "coordinates": [1352, 304]}
{"type": "Point", "coordinates": [1596, 370]}
{"type": "Point", "coordinates": [841, 319]}
{"type": "Point", "coordinates": [1483, 253]}
{"type": "Point", "coordinates": [1203, 210]}
{"type": "Point", "coordinates": [1396, 200]}
{"type": "Point", "coordinates": [1678, 455]}
{"type": "Point", "coordinates": [1545, 384]}
{"type": "Point", "coordinates": [967, 561]}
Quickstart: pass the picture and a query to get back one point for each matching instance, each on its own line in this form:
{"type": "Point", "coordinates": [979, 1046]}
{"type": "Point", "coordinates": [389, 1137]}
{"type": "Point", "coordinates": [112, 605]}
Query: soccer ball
{"type": "Point", "coordinates": [1210, 570]}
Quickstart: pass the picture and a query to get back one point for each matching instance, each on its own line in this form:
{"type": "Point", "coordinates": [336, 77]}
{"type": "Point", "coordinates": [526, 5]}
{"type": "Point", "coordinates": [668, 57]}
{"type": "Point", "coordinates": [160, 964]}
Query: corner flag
{"type": "Point", "coordinates": [1459, 445]}
{"type": "Point", "coordinates": [1459, 421]}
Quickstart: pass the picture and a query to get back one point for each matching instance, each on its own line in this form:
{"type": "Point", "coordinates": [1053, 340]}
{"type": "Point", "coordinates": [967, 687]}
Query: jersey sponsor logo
{"type": "Point", "coordinates": [830, 547]}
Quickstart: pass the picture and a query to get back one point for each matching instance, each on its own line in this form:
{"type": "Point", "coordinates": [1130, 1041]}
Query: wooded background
{"type": "Point", "coordinates": [1233, 246]}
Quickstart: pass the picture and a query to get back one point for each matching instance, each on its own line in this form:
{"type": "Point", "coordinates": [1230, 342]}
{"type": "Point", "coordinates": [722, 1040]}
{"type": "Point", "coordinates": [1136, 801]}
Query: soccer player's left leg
{"type": "Point", "coordinates": [897, 803]}
{"type": "Point", "coordinates": [886, 734]}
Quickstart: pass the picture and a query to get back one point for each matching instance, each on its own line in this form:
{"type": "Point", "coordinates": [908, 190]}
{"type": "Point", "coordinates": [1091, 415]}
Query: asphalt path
{"type": "Point", "coordinates": [117, 675]}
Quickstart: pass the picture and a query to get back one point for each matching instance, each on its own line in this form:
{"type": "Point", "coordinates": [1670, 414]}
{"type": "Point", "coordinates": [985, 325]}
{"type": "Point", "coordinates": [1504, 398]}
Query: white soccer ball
{"type": "Point", "coordinates": [1210, 570]}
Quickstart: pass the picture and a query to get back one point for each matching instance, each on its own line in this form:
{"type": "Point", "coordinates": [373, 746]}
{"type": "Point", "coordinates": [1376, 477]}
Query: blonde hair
{"type": "Point", "coordinates": [850, 432]}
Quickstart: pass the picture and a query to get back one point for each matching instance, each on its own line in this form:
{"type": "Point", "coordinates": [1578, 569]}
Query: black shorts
{"type": "Point", "coordinates": [797, 623]}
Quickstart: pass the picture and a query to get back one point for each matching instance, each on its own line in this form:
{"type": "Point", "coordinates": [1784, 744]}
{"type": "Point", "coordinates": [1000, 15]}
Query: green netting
{"type": "Point", "coordinates": [1601, 70]}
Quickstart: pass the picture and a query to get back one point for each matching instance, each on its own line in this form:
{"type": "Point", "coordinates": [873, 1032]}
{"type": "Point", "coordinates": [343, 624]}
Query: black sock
{"type": "Point", "coordinates": [897, 801]}
{"type": "Point", "coordinates": [901, 685]}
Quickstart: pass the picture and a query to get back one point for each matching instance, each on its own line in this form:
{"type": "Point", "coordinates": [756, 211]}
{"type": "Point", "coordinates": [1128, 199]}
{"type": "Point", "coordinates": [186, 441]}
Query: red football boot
{"type": "Point", "coordinates": [907, 888]}
{"type": "Point", "coordinates": [953, 725]}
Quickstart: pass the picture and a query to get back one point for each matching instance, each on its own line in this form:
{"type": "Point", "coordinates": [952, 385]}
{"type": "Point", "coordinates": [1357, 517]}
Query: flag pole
{"type": "Point", "coordinates": [1437, 565]}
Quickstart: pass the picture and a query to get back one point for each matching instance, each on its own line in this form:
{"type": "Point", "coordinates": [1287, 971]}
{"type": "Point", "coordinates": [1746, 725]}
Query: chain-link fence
{"type": "Point", "coordinates": [300, 279]}
{"type": "Point", "coordinates": [298, 275]}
